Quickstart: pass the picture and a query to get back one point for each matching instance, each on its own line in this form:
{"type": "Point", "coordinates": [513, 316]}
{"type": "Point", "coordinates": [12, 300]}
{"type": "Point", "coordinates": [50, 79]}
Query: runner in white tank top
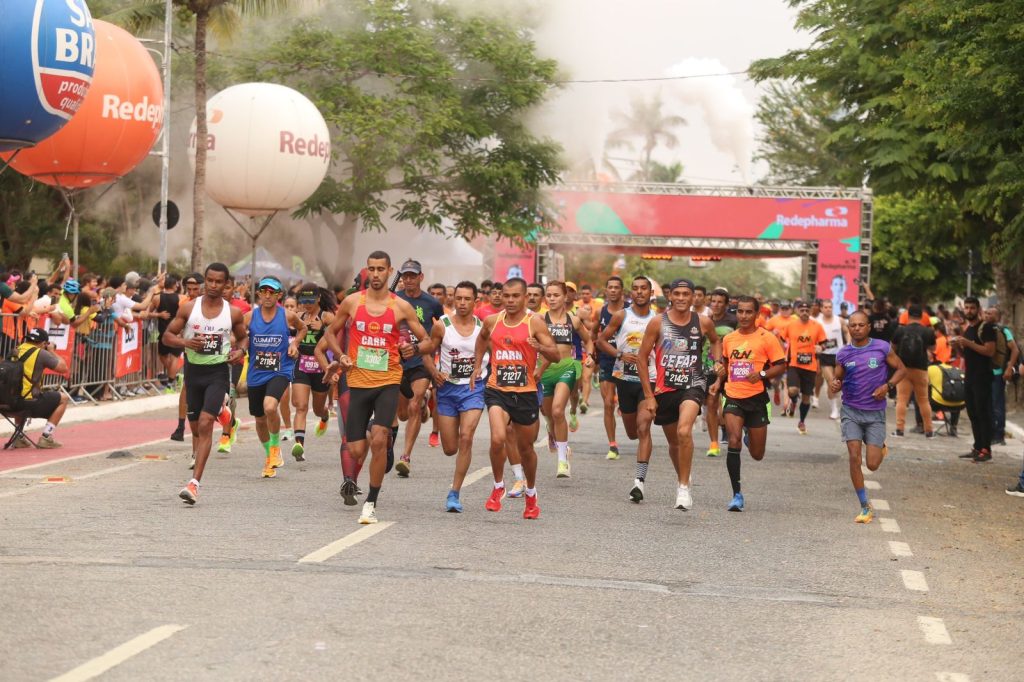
{"type": "Point", "coordinates": [836, 336]}
{"type": "Point", "coordinates": [458, 407]}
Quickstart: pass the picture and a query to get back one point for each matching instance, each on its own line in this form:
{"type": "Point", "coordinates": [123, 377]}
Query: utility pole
{"type": "Point", "coordinates": [165, 153]}
{"type": "Point", "coordinates": [970, 269]}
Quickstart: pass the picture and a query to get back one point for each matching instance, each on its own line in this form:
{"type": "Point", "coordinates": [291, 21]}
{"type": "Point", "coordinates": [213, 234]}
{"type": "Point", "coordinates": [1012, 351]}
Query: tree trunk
{"type": "Point", "coordinates": [1009, 280]}
{"type": "Point", "coordinates": [199, 186]}
{"type": "Point", "coordinates": [339, 270]}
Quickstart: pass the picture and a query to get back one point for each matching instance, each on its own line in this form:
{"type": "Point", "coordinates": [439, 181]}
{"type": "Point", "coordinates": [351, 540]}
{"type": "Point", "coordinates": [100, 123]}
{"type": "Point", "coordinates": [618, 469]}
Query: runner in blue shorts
{"type": "Point", "coordinates": [606, 363]}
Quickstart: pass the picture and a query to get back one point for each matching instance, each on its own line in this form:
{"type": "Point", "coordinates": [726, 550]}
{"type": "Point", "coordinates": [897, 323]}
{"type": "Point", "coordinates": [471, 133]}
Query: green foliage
{"type": "Point", "coordinates": [32, 220]}
{"type": "Point", "coordinates": [426, 107]}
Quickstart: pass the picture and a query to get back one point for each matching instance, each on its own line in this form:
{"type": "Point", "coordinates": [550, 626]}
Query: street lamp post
{"type": "Point", "coordinates": [165, 157]}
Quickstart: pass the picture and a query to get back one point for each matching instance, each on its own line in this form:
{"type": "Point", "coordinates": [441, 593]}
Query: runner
{"type": "Point", "coordinates": [589, 309]}
{"type": "Point", "coordinates": [805, 338]}
{"type": "Point", "coordinates": [440, 292]}
{"type": "Point", "coordinates": [416, 370]}
{"type": "Point", "coordinates": [782, 315]}
{"type": "Point", "coordinates": [458, 407]}
{"type": "Point", "coordinates": [511, 390]}
{"type": "Point", "coordinates": [272, 353]}
{"type": "Point", "coordinates": [193, 287]}
{"type": "Point", "coordinates": [558, 379]}
{"type": "Point", "coordinates": [606, 356]}
{"type": "Point", "coordinates": [837, 335]}
{"type": "Point", "coordinates": [700, 294]}
{"type": "Point", "coordinates": [725, 323]}
{"type": "Point", "coordinates": [228, 420]}
{"type": "Point", "coordinates": [291, 305]}
{"type": "Point", "coordinates": [754, 358]}
{"type": "Point", "coordinates": [534, 298]}
{"type": "Point", "coordinates": [204, 328]}
{"type": "Point", "coordinates": [677, 337]}
{"type": "Point", "coordinates": [626, 328]}
{"type": "Point", "coordinates": [165, 307]}
{"type": "Point", "coordinates": [317, 305]}
{"type": "Point", "coordinates": [861, 374]}
{"type": "Point", "coordinates": [373, 363]}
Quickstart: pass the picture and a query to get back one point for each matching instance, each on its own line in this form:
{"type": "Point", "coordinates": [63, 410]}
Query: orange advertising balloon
{"type": "Point", "coordinates": [116, 126]}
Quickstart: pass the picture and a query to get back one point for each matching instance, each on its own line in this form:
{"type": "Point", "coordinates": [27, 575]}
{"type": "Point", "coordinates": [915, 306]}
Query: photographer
{"type": "Point", "coordinates": [36, 355]}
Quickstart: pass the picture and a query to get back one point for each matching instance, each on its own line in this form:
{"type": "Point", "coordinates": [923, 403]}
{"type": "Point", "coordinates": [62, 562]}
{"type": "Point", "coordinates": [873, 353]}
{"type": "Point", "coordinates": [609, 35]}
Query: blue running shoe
{"type": "Point", "coordinates": [737, 502]}
{"type": "Point", "coordinates": [453, 504]}
{"type": "Point", "coordinates": [746, 438]}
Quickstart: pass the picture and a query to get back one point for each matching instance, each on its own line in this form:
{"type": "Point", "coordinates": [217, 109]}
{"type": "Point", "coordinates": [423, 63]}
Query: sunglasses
{"type": "Point", "coordinates": [303, 300]}
{"type": "Point", "coordinates": [268, 290]}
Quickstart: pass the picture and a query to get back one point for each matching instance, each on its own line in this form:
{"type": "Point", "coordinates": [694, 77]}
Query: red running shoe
{"type": "Point", "coordinates": [224, 418]}
{"type": "Point", "coordinates": [494, 501]}
{"type": "Point", "coordinates": [435, 439]}
{"type": "Point", "coordinates": [532, 511]}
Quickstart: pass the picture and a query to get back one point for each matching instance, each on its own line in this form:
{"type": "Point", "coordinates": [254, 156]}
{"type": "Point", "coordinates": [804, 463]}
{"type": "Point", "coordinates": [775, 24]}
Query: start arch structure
{"type": "Point", "coordinates": [829, 227]}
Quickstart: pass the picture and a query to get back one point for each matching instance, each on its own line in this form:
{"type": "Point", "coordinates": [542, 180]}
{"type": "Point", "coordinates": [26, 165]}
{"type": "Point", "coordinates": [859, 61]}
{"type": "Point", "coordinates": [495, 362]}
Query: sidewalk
{"type": "Point", "coordinates": [77, 414]}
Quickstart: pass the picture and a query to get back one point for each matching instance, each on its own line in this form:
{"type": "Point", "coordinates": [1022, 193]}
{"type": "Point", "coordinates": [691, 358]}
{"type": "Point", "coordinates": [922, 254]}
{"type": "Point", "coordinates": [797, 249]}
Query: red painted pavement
{"type": "Point", "coordinates": [91, 437]}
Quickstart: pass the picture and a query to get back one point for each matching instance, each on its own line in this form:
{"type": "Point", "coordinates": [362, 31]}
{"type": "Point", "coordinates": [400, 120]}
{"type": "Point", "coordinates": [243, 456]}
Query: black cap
{"type": "Point", "coordinates": [37, 336]}
{"type": "Point", "coordinates": [412, 266]}
{"type": "Point", "coordinates": [785, 304]}
{"type": "Point", "coordinates": [680, 282]}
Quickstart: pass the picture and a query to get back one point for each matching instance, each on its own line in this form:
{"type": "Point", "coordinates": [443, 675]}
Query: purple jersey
{"type": "Point", "coordinates": [866, 370]}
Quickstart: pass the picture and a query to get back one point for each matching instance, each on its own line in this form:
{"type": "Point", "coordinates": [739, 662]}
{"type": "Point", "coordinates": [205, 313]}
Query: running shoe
{"type": "Point", "coordinates": [684, 500]}
{"type": "Point", "coordinates": [403, 466]}
{"type": "Point", "coordinates": [287, 434]}
{"type": "Point", "coordinates": [298, 452]}
{"type": "Point", "coordinates": [984, 455]}
{"type": "Point", "coordinates": [746, 438]}
{"type": "Point", "coordinates": [192, 460]}
{"type": "Point", "coordinates": [369, 514]}
{"type": "Point", "coordinates": [564, 470]}
{"type": "Point", "coordinates": [453, 504]}
{"type": "Point", "coordinates": [518, 489]}
{"type": "Point", "coordinates": [969, 455]}
{"type": "Point", "coordinates": [1016, 490]}
{"type": "Point", "coordinates": [584, 407]}
{"type": "Point", "coordinates": [179, 434]}
{"type": "Point", "coordinates": [224, 444]}
{"type": "Point", "coordinates": [435, 439]}
{"type": "Point", "coordinates": [814, 402]}
{"type": "Point", "coordinates": [802, 428]}
{"type": "Point", "coordinates": [234, 430]}
{"type": "Point", "coordinates": [737, 503]}
{"type": "Point", "coordinates": [531, 511]}
{"type": "Point", "coordinates": [834, 414]}
{"type": "Point", "coordinates": [574, 422]}
{"type": "Point", "coordinates": [276, 460]}
{"type": "Point", "coordinates": [321, 428]}
{"type": "Point", "coordinates": [866, 514]}
{"type": "Point", "coordinates": [493, 502]}
{"type": "Point", "coordinates": [613, 452]}
{"type": "Point", "coordinates": [348, 492]}
{"type": "Point", "coordinates": [898, 433]}
{"type": "Point", "coordinates": [189, 494]}
{"type": "Point", "coordinates": [391, 455]}
{"type": "Point", "coordinates": [21, 442]}
{"type": "Point", "coordinates": [637, 492]}
{"type": "Point", "coordinates": [268, 468]}
{"type": "Point", "coordinates": [714, 451]}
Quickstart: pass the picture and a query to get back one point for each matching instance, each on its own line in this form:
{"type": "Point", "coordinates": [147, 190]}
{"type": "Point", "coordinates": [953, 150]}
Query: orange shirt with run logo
{"type": "Point", "coordinates": [778, 323]}
{"type": "Point", "coordinates": [748, 354]}
{"type": "Point", "coordinates": [802, 338]}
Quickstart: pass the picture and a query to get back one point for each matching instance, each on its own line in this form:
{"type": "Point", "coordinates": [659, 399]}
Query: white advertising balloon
{"type": "Point", "coordinates": [267, 148]}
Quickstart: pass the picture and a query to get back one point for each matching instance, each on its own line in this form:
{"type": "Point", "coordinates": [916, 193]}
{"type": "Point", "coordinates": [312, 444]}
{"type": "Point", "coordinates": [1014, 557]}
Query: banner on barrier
{"type": "Point", "coordinates": [129, 350]}
{"type": "Point", "coordinates": [62, 338]}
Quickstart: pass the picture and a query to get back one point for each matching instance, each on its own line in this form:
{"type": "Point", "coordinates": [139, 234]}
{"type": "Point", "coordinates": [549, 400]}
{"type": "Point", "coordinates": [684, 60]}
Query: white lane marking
{"type": "Point", "coordinates": [934, 630]}
{"type": "Point", "coordinates": [889, 525]}
{"type": "Point", "coordinates": [344, 543]}
{"type": "Point", "coordinates": [872, 485]}
{"type": "Point", "coordinates": [118, 655]}
{"type": "Point", "coordinates": [914, 580]}
{"type": "Point", "coordinates": [134, 446]}
{"type": "Point", "coordinates": [952, 677]}
{"type": "Point", "coordinates": [475, 476]}
{"type": "Point", "coordinates": [900, 548]}
{"type": "Point", "coordinates": [94, 474]}
{"type": "Point", "coordinates": [880, 505]}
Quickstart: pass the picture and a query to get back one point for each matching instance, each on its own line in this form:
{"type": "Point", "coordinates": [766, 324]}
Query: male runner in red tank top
{"type": "Point", "coordinates": [374, 367]}
{"type": "Point", "coordinates": [513, 337]}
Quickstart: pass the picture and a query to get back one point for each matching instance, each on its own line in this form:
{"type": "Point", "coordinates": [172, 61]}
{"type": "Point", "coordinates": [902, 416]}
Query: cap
{"type": "Point", "coordinates": [801, 304]}
{"type": "Point", "coordinates": [108, 292]}
{"type": "Point", "coordinates": [571, 285]}
{"type": "Point", "coordinates": [270, 282]}
{"type": "Point", "coordinates": [412, 266]}
{"type": "Point", "coordinates": [785, 304]}
{"type": "Point", "coordinates": [132, 279]}
{"type": "Point", "coordinates": [72, 287]}
{"type": "Point", "coordinates": [680, 282]}
{"type": "Point", "coordinates": [934, 320]}
{"type": "Point", "coordinates": [37, 336]}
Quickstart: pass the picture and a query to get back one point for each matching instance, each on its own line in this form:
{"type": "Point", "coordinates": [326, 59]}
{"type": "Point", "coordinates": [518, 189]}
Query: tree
{"type": "Point", "coordinates": [644, 121]}
{"type": "Point", "coordinates": [224, 18]}
{"type": "Point", "coordinates": [667, 173]}
{"type": "Point", "coordinates": [426, 106]}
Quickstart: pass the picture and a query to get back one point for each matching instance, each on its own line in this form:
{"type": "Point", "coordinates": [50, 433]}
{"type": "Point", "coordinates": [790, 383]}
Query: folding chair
{"type": "Point", "coordinates": [19, 420]}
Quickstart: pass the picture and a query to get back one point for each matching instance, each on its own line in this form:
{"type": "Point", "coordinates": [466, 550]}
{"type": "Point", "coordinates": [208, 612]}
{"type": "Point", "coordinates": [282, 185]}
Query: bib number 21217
{"type": "Point", "coordinates": [511, 376]}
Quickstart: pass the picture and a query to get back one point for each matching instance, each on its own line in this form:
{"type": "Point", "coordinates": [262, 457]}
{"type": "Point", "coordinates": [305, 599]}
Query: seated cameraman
{"type": "Point", "coordinates": [36, 356]}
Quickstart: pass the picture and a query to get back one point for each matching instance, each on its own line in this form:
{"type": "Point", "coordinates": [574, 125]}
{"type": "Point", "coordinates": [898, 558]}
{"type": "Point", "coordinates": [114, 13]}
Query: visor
{"type": "Point", "coordinates": [271, 283]}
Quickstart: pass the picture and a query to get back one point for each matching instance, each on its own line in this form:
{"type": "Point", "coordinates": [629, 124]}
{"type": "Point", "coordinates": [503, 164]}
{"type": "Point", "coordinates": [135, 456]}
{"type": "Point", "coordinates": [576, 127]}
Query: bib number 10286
{"type": "Point", "coordinates": [511, 376]}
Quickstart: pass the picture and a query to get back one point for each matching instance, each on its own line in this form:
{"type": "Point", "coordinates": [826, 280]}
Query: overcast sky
{"type": "Point", "coordinates": [604, 39]}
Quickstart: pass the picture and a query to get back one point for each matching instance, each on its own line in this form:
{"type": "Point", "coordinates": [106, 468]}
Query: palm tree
{"type": "Point", "coordinates": [645, 121]}
{"type": "Point", "coordinates": [224, 19]}
{"type": "Point", "coordinates": [659, 172]}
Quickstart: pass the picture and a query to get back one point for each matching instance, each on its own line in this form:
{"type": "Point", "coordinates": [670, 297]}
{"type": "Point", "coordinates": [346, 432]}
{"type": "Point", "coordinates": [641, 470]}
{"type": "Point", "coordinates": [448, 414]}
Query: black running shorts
{"type": "Point", "coordinates": [670, 402]}
{"type": "Point", "coordinates": [631, 394]}
{"type": "Point", "coordinates": [274, 388]}
{"type": "Point", "coordinates": [381, 403]}
{"type": "Point", "coordinates": [521, 408]}
{"type": "Point", "coordinates": [797, 377]}
{"type": "Point", "coordinates": [753, 411]}
{"type": "Point", "coordinates": [410, 376]}
{"type": "Point", "coordinates": [205, 388]}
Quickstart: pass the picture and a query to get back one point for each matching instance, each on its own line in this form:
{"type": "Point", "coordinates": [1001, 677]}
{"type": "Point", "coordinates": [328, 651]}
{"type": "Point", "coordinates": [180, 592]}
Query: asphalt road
{"type": "Point", "coordinates": [107, 572]}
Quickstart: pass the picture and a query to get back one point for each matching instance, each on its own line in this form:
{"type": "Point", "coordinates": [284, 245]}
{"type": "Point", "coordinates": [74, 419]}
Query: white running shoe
{"type": "Point", "coordinates": [834, 414]}
{"type": "Point", "coordinates": [637, 493]}
{"type": "Point", "coordinates": [369, 514]}
{"type": "Point", "coordinates": [684, 500]}
{"type": "Point", "coordinates": [814, 402]}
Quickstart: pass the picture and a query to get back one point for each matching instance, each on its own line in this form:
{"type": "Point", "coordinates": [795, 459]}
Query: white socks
{"type": "Point", "coordinates": [517, 471]}
{"type": "Point", "coordinates": [563, 451]}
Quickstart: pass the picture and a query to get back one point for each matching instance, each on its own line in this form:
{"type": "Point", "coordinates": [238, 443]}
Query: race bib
{"type": "Point", "coordinates": [629, 369]}
{"type": "Point", "coordinates": [213, 344]}
{"type": "Point", "coordinates": [268, 361]}
{"type": "Point", "coordinates": [830, 344]}
{"type": "Point", "coordinates": [462, 368]}
{"type": "Point", "coordinates": [372, 359]}
{"type": "Point", "coordinates": [309, 365]}
{"type": "Point", "coordinates": [804, 358]}
{"type": "Point", "coordinates": [740, 370]}
{"type": "Point", "coordinates": [679, 378]}
{"type": "Point", "coordinates": [511, 376]}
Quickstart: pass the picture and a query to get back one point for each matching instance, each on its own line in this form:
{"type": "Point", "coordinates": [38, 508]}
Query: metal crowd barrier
{"type": "Point", "coordinates": [110, 362]}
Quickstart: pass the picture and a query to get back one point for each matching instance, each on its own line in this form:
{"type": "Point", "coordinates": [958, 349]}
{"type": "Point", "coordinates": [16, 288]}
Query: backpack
{"type": "Point", "coordinates": [1002, 353]}
{"type": "Point", "coordinates": [911, 348]}
{"type": "Point", "coordinates": [12, 377]}
{"type": "Point", "coordinates": [953, 390]}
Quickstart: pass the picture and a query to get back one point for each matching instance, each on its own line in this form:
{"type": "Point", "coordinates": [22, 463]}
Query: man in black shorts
{"type": "Point", "coordinates": [36, 355]}
{"type": "Point", "coordinates": [606, 362]}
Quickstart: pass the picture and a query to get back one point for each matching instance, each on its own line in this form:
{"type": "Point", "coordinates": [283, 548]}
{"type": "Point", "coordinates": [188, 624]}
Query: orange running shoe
{"type": "Point", "coordinates": [189, 494]}
{"type": "Point", "coordinates": [224, 418]}
{"type": "Point", "coordinates": [531, 511]}
{"type": "Point", "coordinates": [494, 501]}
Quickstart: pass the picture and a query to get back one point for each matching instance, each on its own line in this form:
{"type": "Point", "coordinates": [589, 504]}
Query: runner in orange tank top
{"type": "Point", "coordinates": [513, 337]}
{"type": "Point", "coordinates": [374, 364]}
